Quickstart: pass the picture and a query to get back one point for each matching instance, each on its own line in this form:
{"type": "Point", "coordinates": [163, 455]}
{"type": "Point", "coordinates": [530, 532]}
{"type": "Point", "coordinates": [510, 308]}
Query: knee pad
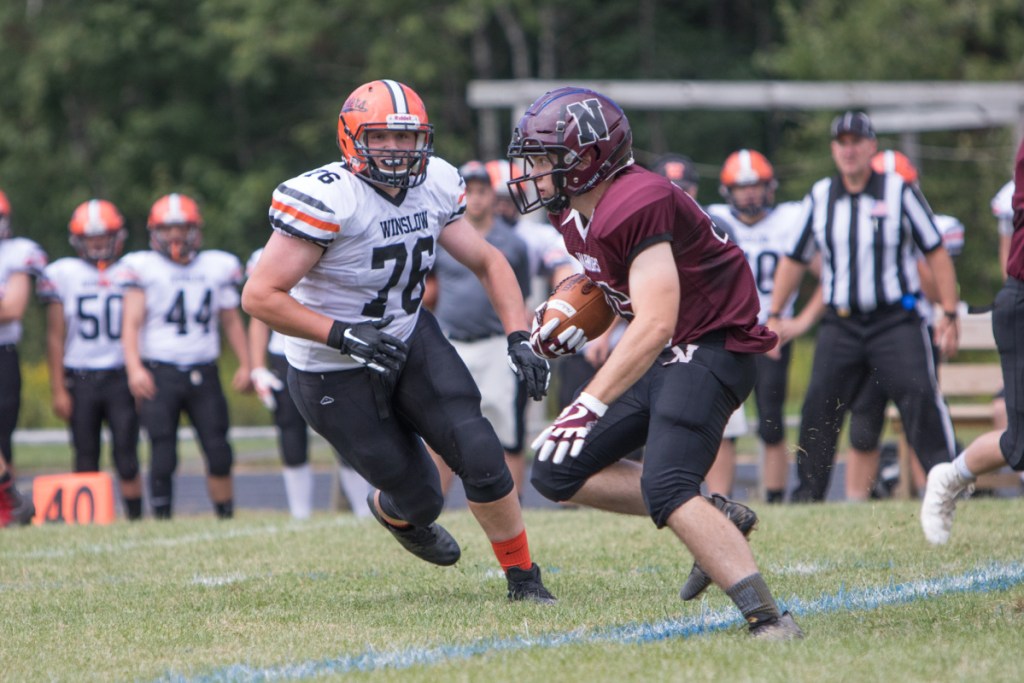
{"type": "Point", "coordinates": [771, 431]}
{"type": "Point", "coordinates": [554, 483]}
{"type": "Point", "coordinates": [220, 465]}
{"type": "Point", "coordinates": [485, 476]}
{"type": "Point", "coordinates": [664, 497]}
{"type": "Point", "coordinates": [1012, 447]}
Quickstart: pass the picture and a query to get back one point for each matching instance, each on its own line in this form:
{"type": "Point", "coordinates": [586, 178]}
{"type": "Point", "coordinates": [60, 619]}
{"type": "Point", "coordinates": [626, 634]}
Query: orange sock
{"type": "Point", "coordinates": [515, 552]}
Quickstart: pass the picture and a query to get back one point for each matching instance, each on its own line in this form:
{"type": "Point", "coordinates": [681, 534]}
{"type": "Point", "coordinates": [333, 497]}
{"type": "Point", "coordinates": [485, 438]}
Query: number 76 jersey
{"type": "Point", "coordinates": [183, 302]}
{"type": "Point", "coordinates": [377, 249]}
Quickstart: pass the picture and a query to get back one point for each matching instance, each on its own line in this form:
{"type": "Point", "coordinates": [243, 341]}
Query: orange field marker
{"type": "Point", "coordinates": [83, 498]}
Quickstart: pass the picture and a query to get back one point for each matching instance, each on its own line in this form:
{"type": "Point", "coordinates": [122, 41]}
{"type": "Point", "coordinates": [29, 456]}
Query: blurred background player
{"type": "Point", "coordinates": [682, 172]}
{"type": "Point", "coordinates": [88, 382]}
{"type": "Point", "coordinates": [550, 263]}
{"type": "Point", "coordinates": [470, 322]}
{"type": "Point", "coordinates": [20, 260]}
{"type": "Point", "coordinates": [763, 230]}
{"type": "Point", "coordinates": [269, 371]}
{"type": "Point", "coordinates": [1002, 209]}
{"type": "Point", "coordinates": [867, 412]}
{"type": "Point", "coordinates": [177, 298]}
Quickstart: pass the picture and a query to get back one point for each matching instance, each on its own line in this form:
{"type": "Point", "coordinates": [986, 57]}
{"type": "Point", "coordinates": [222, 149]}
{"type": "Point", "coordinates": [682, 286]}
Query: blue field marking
{"type": "Point", "coordinates": [995, 577]}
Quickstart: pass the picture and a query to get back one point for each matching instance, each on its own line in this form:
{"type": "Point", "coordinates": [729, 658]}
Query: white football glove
{"type": "Point", "coordinates": [266, 383]}
{"type": "Point", "coordinates": [567, 433]}
{"type": "Point", "coordinates": [568, 342]}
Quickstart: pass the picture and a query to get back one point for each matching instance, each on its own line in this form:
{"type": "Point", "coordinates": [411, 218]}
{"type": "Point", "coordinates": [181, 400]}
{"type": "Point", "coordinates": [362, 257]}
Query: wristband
{"type": "Point", "coordinates": [773, 314]}
{"type": "Point", "coordinates": [592, 403]}
{"type": "Point", "coordinates": [951, 315]}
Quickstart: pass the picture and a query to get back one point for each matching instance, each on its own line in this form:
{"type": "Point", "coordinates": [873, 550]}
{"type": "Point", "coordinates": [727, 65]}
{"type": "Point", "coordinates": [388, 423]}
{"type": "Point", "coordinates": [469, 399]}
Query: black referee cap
{"type": "Point", "coordinates": [853, 123]}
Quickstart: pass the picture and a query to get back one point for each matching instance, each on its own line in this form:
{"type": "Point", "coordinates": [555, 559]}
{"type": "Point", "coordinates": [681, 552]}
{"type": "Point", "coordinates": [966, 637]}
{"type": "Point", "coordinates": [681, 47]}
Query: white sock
{"type": "Point", "coordinates": [960, 463]}
{"type": "Point", "coordinates": [355, 489]}
{"type": "Point", "coordinates": [298, 486]}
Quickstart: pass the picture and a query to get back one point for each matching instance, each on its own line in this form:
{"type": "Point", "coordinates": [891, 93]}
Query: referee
{"type": "Point", "coordinates": [869, 228]}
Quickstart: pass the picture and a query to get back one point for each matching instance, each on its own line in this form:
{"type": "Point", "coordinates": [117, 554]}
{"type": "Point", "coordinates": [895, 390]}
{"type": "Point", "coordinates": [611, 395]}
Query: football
{"type": "Point", "coordinates": [578, 302]}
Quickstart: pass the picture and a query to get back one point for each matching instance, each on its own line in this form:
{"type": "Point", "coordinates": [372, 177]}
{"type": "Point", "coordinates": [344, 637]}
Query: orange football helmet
{"type": "Point", "coordinates": [385, 105]}
{"type": "Point", "coordinates": [97, 232]}
{"type": "Point", "coordinates": [5, 216]}
{"type": "Point", "coordinates": [175, 210]}
{"type": "Point", "coordinates": [892, 161]}
{"type": "Point", "coordinates": [743, 168]}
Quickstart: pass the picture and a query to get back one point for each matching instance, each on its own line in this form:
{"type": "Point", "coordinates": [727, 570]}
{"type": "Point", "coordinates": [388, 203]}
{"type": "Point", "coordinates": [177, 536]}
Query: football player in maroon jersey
{"type": "Point", "coordinates": [683, 365]}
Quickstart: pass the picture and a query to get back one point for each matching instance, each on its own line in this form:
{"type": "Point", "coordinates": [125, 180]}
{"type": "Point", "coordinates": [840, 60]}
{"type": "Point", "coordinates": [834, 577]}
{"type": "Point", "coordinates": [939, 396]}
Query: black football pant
{"type": "Point", "coordinates": [292, 433]}
{"type": "Point", "coordinates": [197, 392]}
{"type": "Point", "coordinates": [99, 395]}
{"type": "Point", "coordinates": [10, 397]}
{"type": "Point", "coordinates": [891, 348]}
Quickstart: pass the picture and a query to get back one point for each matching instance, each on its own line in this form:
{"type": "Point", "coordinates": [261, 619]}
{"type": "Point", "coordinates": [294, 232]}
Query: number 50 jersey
{"type": "Point", "coordinates": [377, 249]}
{"type": "Point", "coordinates": [92, 312]}
{"type": "Point", "coordinates": [183, 302]}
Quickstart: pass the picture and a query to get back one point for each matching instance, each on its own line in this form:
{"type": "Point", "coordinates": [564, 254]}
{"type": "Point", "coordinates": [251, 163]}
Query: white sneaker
{"type": "Point", "coordinates": [944, 486]}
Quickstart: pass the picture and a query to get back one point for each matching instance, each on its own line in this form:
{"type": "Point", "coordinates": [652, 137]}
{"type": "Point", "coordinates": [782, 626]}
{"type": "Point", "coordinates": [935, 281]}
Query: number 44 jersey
{"type": "Point", "coordinates": [377, 249]}
{"type": "Point", "coordinates": [183, 302]}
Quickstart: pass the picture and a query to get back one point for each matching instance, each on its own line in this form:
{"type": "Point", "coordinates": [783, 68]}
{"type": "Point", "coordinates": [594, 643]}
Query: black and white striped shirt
{"type": "Point", "coordinates": [869, 242]}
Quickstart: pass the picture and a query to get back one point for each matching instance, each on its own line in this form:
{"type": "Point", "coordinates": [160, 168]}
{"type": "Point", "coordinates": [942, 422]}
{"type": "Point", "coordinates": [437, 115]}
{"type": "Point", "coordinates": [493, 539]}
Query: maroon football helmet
{"type": "Point", "coordinates": [562, 125]}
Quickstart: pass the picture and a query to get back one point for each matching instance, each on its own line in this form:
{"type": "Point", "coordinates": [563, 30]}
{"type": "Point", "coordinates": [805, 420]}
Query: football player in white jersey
{"type": "Point", "coordinates": [763, 230]}
{"type": "Point", "coordinates": [342, 275]}
{"type": "Point", "coordinates": [20, 260]}
{"type": "Point", "coordinates": [1002, 209]}
{"type": "Point", "coordinates": [176, 300]}
{"type": "Point", "coordinates": [88, 382]}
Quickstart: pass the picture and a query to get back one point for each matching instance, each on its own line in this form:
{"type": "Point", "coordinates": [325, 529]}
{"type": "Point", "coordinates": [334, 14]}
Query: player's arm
{"type": "Point", "coordinates": [462, 241]}
{"type": "Point", "coordinates": [14, 297]}
{"type": "Point", "coordinates": [259, 337]}
{"type": "Point", "coordinates": [654, 292]}
{"type": "Point", "coordinates": [947, 331]}
{"type": "Point", "coordinates": [56, 330]}
{"type": "Point", "coordinates": [266, 296]}
{"type": "Point", "coordinates": [140, 380]}
{"type": "Point", "coordinates": [234, 332]}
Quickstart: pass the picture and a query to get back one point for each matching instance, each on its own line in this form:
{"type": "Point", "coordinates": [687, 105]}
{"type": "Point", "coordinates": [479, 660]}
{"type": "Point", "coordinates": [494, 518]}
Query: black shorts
{"type": "Point", "coordinates": [377, 428]}
{"type": "Point", "coordinates": [1008, 327]}
{"type": "Point", "coordinates": [679, 409]}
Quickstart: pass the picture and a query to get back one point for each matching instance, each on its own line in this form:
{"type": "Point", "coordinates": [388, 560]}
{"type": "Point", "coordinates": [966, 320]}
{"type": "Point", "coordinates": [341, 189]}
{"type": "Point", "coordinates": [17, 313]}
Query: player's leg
{"type": "Point", "coordinates": [207, 409]}
{"type": "Point", "coordinates": [722, 474]}
{"type": "Point", "coordinates": [836, 374]}
{"type": "Point", "coordinates": [86, 420]}
{"type": "Point", "coordinates": [867, 419]}
{"type": "Point", "coordinates": [900, 348]}
{"type": "Point", "coordinates": [451, 422]}
{"type": "Point", "coordinates": [160, 416]}
{"type": "Point", "coordinates": [293, 444]}
{"type": "Point", "coordinates": [770, 394]}
{"type": "Point", "coordinates": [992, 450]}
{"type": "Point", "coordinates": [690, 404]}
{"type": "Point", "coordinates": [14, 507]}
{"type": "Point", "coordinates": [10, 398]}
{"type": "Point", "coordinates": [124, 430]}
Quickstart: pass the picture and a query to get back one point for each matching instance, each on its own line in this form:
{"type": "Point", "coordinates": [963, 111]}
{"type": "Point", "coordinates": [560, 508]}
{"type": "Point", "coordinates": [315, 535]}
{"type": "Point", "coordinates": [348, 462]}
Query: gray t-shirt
{"type": "Point", "coordinates": [463, 309]}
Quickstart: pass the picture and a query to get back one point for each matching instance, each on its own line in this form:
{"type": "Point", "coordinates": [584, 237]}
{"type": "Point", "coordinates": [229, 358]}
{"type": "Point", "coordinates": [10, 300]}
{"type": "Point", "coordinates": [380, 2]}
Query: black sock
{"type": "Point", "coordinates": [225, 510]}
{"type": "Point", "coordinates": [775, 495]}
{"type": "Point", "coordinates": [754, 599]}
{"type": "Point", "coordinates": [162, 511]}
{"type": "Point", "coordinates": [133, 508]}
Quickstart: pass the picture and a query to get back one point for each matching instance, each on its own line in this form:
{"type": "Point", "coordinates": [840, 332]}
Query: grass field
{"type": "Point", "coordinates": [265, 598]}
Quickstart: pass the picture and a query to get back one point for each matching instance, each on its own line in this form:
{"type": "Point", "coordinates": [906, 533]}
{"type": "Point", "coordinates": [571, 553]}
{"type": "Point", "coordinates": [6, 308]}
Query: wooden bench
{"type": "Point", "coordinates": [968, 387]}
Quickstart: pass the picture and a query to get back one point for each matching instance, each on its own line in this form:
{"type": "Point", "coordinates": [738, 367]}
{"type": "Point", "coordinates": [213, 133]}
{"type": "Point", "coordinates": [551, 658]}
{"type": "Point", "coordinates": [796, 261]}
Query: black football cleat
{"type": "Point", "coordinates": [745, 520]}
{"type": "Point", "coordinates": [525, 584]}
{"type": "Point", "coordinates": [783, 628]}
{"type": "Point", "coordinates": [431, 543]}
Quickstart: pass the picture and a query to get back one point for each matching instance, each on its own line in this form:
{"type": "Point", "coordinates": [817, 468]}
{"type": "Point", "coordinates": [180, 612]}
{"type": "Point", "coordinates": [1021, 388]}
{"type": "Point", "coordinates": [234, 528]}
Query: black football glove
{"type": "Point", "coordinates": [528, 366]}
{"type": "Point", "coordinates": [366, 344]}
